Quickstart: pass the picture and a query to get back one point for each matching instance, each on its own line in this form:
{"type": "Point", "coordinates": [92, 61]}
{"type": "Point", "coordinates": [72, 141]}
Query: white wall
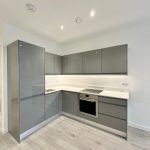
{"type": "Point", "coordinates": [1, 46]}
{"type": "Point", "coordinates": [12, 33]}
{"type": "Point", "coordinates": [9, 34]}
{"type": "Point", "coordinates": [137, 36]}
{"type": "Point", "coordinates": [52, 80]}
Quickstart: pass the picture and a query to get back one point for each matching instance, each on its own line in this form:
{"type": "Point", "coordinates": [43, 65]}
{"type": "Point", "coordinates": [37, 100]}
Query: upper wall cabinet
{"type": "Point", "coordinates": [92, 62]}
{"type": "Point", "coordinates": [72, 64]}
{"type": "Point", "coordinates": [58, 64]}
{"type": "Point", "coordinates": [53, 64]}
{"type": "Point", "coordinates": [114, 60]}
{"type": "Point", "coordinates": [49, 63]}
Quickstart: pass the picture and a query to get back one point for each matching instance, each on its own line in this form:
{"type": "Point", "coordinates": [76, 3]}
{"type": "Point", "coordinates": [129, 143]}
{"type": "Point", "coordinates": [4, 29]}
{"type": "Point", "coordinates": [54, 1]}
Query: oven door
{"type": "Point", "coordinates": [89, 107]}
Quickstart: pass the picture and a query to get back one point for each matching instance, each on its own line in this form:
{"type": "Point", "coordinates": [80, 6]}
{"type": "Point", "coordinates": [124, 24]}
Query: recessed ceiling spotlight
{"type": "Point", "coordinates": [62, 27]}
{"type": "Point", "coordinates": [92, 13]}
{"type": "Point", "coordinates": [30, 7]}
{"type": "Point", "coordinates": [78, 20]}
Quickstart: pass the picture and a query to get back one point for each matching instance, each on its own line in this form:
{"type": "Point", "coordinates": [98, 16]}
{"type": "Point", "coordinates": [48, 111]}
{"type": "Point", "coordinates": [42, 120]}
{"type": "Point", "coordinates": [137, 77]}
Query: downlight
{"type": "Point", "coordinates": [78, 20]}
{"type": "Point", "coordinates": [31, 8]}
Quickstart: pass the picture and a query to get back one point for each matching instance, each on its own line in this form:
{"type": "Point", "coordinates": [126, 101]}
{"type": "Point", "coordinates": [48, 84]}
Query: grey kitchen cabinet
{"type": "Point", "coordinates": [114, 60]}
{"type": "Point", "coordinates": [70, 102]}
{"type": "Point", "coordinates": [113, 122]}
{"type": "Point", "coordinates": [72, 64]}
{"type": "Point", "coordinates": [65, 64]}
{"type": "Point", "coordinates": [49, 63]}
{"type": "Point", "coordinates": [108, 121]}
{"type": "Point", "coordinates": [112, 112]}
{"type": "Point", "coordinates": [57, 64]}
{"type": "Point", "coordinates": [31, 70]}
{"type": "Point", "coordinates": [111, 60]}
{"type": "Point", "coordinates": [114, 101]}
{"type": "Point", "coordinates": [92, 62]}
{"type": "Point", "coordinates": [53, 104]}
{"type": "Point", "coordinates": [13, 90]}
{"type": "Point", "coordinates": [53, 64]}
{"type": "Point", "coordinates": [26, 87]}
{"type": "Point", "coordinates": [31, 112]}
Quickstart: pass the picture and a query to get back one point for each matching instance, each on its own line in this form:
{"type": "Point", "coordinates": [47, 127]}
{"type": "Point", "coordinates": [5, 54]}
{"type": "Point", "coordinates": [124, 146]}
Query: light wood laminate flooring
{"type": "Point", "coordinates": [68, 134]}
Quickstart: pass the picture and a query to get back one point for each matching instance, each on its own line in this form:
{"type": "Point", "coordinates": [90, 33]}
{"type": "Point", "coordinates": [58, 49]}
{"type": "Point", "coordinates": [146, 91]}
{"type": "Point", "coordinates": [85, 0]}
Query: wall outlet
{"type": "Point", "coordinates": [124, 84]}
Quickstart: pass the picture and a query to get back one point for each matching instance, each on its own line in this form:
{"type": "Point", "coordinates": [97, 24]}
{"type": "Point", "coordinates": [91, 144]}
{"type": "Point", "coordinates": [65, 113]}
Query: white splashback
{"type": "Point", "coordinates": [52, 80]}
{"type": "Point", "coordinates": [109, 81]}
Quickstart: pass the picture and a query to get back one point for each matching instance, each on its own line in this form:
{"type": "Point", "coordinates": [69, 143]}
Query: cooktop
{"type": "Point", "coordinates": [93, 91]}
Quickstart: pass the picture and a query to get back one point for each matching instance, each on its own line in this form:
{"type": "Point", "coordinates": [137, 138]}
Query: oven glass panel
{"type": "Point", "coordinates": [88, 107]}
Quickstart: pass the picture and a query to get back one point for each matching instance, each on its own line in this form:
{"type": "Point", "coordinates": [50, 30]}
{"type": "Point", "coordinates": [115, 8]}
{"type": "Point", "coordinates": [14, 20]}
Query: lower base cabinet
{"type": "Point", "coordinates": [35, 110]}
{"type": "Point", "coordinates": [70, 102]}
{"type": "Point", "coordinates": [108, 121]}
{"type": "Point", "coordinates": [111, 112]}
{"type": "Point", "coordinates": [113, 122]}
{"type": "Point", "coordinates": [53, 104]}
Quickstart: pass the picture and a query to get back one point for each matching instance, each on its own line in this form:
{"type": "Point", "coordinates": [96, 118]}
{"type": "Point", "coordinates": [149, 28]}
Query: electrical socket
{"type": "Point", "coordinates": [124, 84]}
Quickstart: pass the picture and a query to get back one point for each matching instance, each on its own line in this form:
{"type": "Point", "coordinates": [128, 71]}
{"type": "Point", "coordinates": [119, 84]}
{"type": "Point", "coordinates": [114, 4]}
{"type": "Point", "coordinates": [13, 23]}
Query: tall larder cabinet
{"type": "Point", "coordinates": [26, 87]}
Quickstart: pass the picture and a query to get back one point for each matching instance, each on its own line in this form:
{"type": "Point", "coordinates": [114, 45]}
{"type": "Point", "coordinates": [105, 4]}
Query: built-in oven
{"type": "Point", "coordinates": [88, 104]}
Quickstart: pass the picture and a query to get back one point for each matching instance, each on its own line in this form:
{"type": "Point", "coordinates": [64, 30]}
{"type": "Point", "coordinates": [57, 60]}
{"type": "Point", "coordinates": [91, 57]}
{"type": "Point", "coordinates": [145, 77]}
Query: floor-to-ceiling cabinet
{"type": "Point", "coordinates": [26, 87]}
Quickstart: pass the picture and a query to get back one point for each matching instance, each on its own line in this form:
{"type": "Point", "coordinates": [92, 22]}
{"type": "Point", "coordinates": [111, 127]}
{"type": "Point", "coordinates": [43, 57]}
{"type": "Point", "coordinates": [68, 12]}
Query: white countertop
{"type": "Point", "coordinates": [106, 93]}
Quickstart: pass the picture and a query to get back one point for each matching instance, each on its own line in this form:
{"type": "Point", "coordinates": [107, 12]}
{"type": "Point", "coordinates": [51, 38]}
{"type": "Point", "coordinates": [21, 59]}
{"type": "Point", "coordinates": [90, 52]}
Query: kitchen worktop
{"type": "Point", "coordinates": [107, 92]}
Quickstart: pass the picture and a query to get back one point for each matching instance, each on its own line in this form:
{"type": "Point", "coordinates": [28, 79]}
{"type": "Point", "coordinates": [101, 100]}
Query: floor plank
{"type": "Point", "coordinates": [68, 134]}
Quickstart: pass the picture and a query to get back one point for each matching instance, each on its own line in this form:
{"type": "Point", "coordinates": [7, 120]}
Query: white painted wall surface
{"type": "Point", "coordinates": [52, 80]}
{"type": "Point", "coordinates": [12, 33]}
{"type": "Point", "coordinates": [137, 36]}
{"type": "Point", "coordinates": [9, 35]}
{"type": "Point", "coordinates": [1, 47]}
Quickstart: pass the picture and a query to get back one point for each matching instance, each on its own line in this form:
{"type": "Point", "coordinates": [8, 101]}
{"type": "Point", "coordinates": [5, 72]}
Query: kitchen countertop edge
{"type": "Point", "coordinates": [102, 94]}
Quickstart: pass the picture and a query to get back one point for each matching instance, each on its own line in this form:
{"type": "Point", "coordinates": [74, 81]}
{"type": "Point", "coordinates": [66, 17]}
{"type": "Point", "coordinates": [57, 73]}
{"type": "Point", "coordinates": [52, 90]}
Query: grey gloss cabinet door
{"type": "Point", "coordinates": [65, 64]}
{"type": "Point", "coordinates": [31, 112]}
{"type": "Point", "coordinates": [112, 122]}
{"type": "Point", "coordinates": [114, 59]}
{"type": "Point", "coordinates": [31, 70]}
{"type": "Point", "coordinates": [58, 64]}
{"type": "Point", "coordinates": [72, 64]}
{"type": "Point", "coordinates": [13, 90]}
{"type": "Point", "coordinates": [49, 63]}
{"type": "Point", "coordinates": [108, 121]}
{"type": "Point", "coordinates": [113, 110]}
{"type": "Point", "coordinates": [70, 102]}
{"type": "Point", "coordinates": [53, 104]}
{"type": "Point", "coordinates": [92, 62]}
{"type": "Point", "coordinates": [53, 64]}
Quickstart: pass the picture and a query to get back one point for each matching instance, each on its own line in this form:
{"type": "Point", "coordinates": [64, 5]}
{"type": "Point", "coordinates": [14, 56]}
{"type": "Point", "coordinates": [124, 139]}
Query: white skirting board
{"type": "Point", "coordinates": [114, 131]}
{"type": "Point", "coordinates": [3, 131]}
{"type": "Point", "coordinates": [134, 125]}
{"type": "Point", "coordinates": [36, 128]}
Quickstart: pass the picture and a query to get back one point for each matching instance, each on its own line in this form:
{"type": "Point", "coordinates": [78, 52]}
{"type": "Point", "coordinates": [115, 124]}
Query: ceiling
{"type": "Point", "coordinates": [51, 14]}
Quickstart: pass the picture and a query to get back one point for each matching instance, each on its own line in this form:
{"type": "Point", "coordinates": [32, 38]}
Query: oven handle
{"type": "Point", "coordinates": [91, 100]}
